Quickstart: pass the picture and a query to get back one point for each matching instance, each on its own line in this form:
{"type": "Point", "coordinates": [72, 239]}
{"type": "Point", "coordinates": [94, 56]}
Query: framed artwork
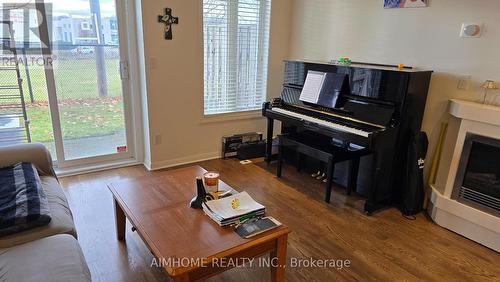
{"type": "Point", "coordinates": [389, 4]}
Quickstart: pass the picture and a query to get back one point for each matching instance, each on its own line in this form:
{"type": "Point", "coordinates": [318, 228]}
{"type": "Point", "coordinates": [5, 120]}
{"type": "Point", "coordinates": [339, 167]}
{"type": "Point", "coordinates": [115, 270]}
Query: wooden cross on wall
{"type": "Point", "coordinates": [168, 20]}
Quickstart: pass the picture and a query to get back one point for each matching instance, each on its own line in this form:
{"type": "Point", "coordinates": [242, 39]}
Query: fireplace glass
{"type": "Point", "coordinates": [478, 176]}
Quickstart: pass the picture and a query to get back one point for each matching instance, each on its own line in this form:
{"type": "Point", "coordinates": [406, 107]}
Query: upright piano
{"type": "Point", "coordinates": [382, 112]}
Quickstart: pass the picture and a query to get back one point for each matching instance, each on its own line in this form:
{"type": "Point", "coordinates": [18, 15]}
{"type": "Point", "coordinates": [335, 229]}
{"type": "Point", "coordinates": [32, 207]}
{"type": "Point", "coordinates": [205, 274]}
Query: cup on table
{"type": "Point", "coordinates": [211, 180]}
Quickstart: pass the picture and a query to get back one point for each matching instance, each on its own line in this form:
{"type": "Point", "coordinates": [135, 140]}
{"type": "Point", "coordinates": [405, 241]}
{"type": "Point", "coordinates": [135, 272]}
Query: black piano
{"type": "Point", "coordinates": [382, 110]}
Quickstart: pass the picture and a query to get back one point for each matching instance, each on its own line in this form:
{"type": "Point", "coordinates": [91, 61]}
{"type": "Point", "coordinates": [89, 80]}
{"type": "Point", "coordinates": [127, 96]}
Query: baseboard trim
{"type": "Point", "coordinates": [65, 172]}
{"type": "Point", "coordinates": [182, 161]}
{"type": "Point", "coordinates": [147, 164]}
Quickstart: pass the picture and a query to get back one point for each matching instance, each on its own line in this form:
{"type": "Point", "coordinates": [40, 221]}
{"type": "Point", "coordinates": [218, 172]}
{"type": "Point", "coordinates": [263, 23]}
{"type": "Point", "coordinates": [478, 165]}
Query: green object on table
{"type": "Point", "coordinates": [246, 218]}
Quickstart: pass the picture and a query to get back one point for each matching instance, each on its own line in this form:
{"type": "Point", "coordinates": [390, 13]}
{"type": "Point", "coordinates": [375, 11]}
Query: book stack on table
{"type": "Point", "coordinates": [233, 209]}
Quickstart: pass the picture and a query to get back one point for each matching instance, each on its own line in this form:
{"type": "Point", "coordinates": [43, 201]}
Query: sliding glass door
{"type": "Point", "coordinates": [80, 108]}
{"type": "Point", "coordinates": [86, 43]}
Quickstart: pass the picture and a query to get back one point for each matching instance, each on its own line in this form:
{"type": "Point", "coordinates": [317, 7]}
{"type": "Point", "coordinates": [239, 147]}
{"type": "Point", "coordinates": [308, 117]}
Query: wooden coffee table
{"type": "Point", "coordinates": [186, 242]}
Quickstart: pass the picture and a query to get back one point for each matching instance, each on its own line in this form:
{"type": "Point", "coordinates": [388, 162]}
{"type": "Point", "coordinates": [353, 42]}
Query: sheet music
{"type": "Point", "coordinates": [312, 86]}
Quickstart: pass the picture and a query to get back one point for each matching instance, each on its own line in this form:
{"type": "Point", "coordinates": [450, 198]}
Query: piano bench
{"type": "Point", "coordinates": [324, 152]}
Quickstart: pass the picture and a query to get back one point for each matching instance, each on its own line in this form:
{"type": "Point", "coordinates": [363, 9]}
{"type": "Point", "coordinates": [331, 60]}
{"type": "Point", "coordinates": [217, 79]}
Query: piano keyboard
{"type": "Point", "coordinates": [325, 123]}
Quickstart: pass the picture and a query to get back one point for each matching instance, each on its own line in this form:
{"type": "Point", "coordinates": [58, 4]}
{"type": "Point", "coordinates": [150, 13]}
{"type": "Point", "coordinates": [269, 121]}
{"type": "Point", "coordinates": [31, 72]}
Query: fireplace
{"type": "Point", "coordinates": [477, 182]}
{"type": "Point", "coordinates": [465, 197]}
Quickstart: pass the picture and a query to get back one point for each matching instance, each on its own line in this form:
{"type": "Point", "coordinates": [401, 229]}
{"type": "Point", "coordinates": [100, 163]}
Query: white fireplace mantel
{"type": "Point", "coordinates": [475, 111]}
{"type": "Point", "coordinates": [482, 227]}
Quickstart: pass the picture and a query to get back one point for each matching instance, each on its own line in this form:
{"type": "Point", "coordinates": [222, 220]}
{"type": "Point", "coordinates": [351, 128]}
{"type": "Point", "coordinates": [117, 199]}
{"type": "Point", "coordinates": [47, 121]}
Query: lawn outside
{"type": "Point", "coordinates": [82, 112]}
{"type": "Point", "coordinates": [79, 118]}
{"type": "Point", "coordinates": [75, 79]}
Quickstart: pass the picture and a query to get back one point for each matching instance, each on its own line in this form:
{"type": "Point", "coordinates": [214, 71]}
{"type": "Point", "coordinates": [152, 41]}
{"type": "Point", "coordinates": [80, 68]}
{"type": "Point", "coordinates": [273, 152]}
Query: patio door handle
{"type": "Point", "coordinates": [124, 72]}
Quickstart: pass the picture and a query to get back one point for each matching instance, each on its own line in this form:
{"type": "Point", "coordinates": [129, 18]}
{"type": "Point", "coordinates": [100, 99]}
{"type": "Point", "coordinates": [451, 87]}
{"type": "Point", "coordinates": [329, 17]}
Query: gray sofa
{"type": "Point", "coordinates": [47, 253]}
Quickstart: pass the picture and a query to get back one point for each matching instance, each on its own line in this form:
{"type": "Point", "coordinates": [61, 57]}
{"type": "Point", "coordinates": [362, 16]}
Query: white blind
{"type": "Point", "coordinates": [236, 43]}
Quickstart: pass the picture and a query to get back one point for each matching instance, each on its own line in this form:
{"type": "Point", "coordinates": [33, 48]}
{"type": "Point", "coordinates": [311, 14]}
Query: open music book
{"type": "Point", "coordinates": [324, 88]}
{"type": "Point", "coordinates": [312, 86]}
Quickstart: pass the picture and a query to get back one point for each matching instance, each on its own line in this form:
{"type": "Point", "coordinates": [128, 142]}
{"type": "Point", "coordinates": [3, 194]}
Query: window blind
{"type": "Point", "coordinates": [236, 43]}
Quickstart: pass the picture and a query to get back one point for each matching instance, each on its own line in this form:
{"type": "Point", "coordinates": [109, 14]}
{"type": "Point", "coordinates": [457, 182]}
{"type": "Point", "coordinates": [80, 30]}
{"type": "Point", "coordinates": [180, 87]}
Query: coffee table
{"type": "Point", "coordinates": [185, 241]}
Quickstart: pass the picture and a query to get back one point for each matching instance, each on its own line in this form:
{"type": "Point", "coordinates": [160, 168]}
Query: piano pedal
{"type": "Point", "coordinates": [322, 176]}
{"type": "Point", "coordinates": [314, 175]}
{"type": "Point", "coordinates": [326, 179]}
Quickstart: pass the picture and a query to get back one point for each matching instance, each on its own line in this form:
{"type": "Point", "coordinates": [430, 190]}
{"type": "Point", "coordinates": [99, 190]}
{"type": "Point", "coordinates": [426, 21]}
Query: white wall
{"type": "Point", "coordinates": [317, 30]}
{"type": "Point", "coordinates": [174, 82]}
{"type": "Point", "coordinates": [422, 37]}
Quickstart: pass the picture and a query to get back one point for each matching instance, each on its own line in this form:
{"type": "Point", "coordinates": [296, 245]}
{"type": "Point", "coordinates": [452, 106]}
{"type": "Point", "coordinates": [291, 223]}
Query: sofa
{"type": "Point", "coordinates": [46, 253]}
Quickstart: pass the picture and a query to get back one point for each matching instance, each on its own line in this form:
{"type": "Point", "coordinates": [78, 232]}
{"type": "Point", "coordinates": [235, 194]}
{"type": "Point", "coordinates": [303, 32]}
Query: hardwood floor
{"type": "Point", "coordinates": [385, 246]}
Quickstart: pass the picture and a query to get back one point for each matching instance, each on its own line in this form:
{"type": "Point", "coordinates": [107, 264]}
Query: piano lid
{"type": "Point", "coordinates": [362, 65]}
{"type": "Point", "coordinates": [375, 83]}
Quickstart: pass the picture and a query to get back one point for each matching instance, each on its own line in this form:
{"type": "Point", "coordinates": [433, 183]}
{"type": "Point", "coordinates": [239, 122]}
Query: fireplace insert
{"type": "Point", "coordinates": [477, 183]}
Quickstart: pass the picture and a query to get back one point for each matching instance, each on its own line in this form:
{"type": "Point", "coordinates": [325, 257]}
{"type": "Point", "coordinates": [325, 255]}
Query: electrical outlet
{"type": "Point", "coordinates": [464, 82]}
